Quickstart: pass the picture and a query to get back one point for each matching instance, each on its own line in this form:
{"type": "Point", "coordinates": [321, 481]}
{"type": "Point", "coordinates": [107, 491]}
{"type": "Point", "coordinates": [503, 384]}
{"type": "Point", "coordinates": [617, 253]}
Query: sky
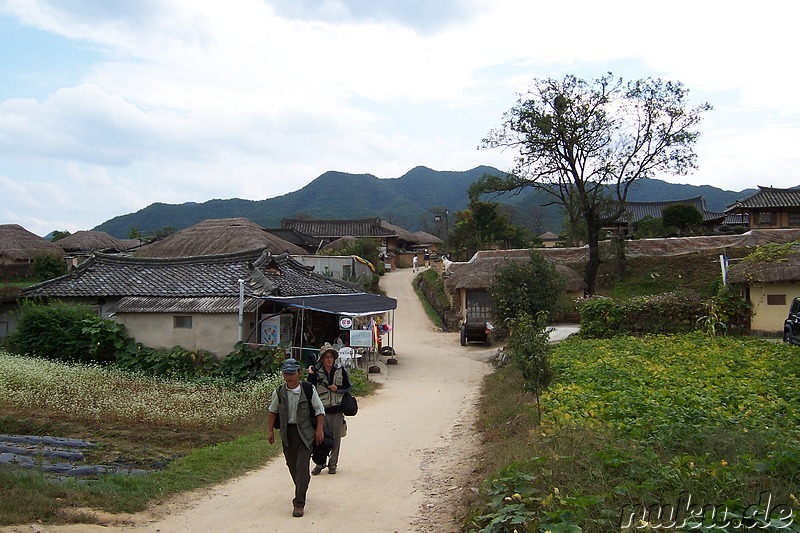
{"type": "Point", "coordinates": [107, 106]}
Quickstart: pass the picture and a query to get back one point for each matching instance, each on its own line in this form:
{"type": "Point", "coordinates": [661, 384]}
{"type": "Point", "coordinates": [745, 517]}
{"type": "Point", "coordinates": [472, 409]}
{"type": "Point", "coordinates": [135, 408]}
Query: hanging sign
{"type": "Point", "coordinates": [361, 338]}
{"type": "Point", "coordinates": [345, 322]}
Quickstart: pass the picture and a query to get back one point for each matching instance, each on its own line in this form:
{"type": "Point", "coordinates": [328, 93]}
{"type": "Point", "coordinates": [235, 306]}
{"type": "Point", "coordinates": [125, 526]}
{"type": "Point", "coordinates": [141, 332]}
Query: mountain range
{"type": "Point", "coordinates": [410, 201]}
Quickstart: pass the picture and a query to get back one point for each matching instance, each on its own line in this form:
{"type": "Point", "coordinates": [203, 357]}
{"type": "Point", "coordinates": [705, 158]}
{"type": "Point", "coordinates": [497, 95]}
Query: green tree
{"type": "Point", "coordinates": [526, 287]}
{"type": "Point", "coordinates": [530, 348]}
{"type": "Point", "coordinates": [48, 266]}
{"type": "Point", "coordinates": [57, 235]}
{"type": "Point", "coordinates": [483, 226]}
{"type": "Point", "coordinates": [683, 217]}
{"type": "Point", "coordinates": [586, 142]}
{"type": "Point", "coordinates": [648, 228]}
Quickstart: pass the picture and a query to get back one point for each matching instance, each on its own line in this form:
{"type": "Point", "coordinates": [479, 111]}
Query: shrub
{"type": "Point", "coordinates": [526, 287]}
{"type": "Point", "coordinates": [48, 266]}
{"type": "Point", "coordinates": [248, 362]}
{"type": "Point", "coordinates": [664, 313]}
{"type": "Point", "coordinates": [56, 331]}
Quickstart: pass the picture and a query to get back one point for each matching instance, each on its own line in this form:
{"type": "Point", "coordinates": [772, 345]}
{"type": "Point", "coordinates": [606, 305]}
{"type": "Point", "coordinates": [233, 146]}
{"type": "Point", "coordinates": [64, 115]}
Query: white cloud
{"type": "Point", "coordinates": [190, 100]}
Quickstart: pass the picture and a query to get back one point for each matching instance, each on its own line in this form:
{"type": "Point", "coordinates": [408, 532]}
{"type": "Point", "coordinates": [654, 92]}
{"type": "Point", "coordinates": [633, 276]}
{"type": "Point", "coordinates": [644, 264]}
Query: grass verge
{"type": "Point", "coordinates": [429, 310]}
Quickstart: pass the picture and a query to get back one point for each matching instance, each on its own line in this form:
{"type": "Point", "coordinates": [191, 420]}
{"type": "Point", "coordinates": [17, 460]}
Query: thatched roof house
{"type": "Point", "coordinates": [389, 235]}
{"type": "Point", "coordinates": [769, 286]}
{"type": "Point", "coordinates": [218, 236]}
{"type": "Point", "coordinates": [469, 282]}
{"type": "Point", "coordinates": [91, 241]}
{"type": "Point", "coordinates": [20, 246]}
{"type": "Point", "coordinates": [338, 244]}
{"type": "Point", "coordinates": [786, 270]}
{"type": "Point", "coordinates": [426, 239]}
{"type": "Point", "coordinates": [479, 273]}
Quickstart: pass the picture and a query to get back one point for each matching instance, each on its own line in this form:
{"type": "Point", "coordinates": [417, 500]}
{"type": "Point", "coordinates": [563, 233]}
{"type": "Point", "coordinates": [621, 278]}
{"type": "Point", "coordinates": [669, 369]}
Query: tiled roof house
{"type": "Point", "coordinates": [392, 237]}
{"type": "Point", "coordinates": [636, 211]}
{"type": "Point", "coordinates": [194, 301]}
{"type": "Point", "coordinates": [769, 208]}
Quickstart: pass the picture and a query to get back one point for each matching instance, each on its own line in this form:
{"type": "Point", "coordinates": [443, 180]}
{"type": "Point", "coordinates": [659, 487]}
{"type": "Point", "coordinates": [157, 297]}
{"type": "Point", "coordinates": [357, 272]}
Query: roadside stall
{"type": "Point", "coordinates": [356, 321]}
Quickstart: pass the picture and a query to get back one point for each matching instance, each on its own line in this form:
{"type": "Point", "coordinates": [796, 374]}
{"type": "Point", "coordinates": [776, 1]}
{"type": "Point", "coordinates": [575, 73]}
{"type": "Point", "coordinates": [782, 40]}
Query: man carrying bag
{"type": "Point", "coordinates": [298, 433]}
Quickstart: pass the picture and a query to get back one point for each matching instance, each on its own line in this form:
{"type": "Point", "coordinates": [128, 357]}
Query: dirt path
{"type": "Point", "coordinates": [402, 464]}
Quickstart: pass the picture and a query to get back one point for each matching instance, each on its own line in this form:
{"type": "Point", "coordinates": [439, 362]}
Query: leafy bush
{"type": "Point", "coordinates": [74, 334]}
{"type": "Point", "coordinates": [526, 287]}
{"type": "Point", "coordinates": [176, 362]}
{"type": "Point", "coordinates": [48, 266]}
{"type": "Point", "coordinates": [666, 313]}
{"type": "Point", "coordinates": [70, 333]}
{"type": "Point", "coordinates": [247, 362]}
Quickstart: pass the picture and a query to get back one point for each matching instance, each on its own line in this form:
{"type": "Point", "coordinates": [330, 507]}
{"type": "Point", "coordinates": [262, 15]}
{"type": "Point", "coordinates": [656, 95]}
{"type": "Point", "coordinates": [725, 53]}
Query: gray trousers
{"type": "Point", "coordinates": [335, 422]}
{"type": "Point", "coordinates": [298, 457]}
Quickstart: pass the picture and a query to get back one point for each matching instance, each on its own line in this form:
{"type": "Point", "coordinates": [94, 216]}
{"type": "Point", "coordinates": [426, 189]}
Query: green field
{"type": "Point", "coordinates": [633, 425]}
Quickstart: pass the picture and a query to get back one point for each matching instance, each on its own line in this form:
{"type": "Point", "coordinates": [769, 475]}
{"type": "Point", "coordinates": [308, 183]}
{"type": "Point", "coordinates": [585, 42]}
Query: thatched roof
{"type": "Point", "coordinates": [423, 237]}
{"type": "Point", "coordinates": [338, 244]}
{"type": "Point", "coordinates": [91, 241]}
{"type": "Point", "coordinates": [400, 232]}
{"type": "Point", "coordinates": [218, 236]}
{"type": "Point", "coordinates": [479, 273]}
{"type": "Point", "coordinates": [760, 272]}
{"type": "Point", "coordinates": [19, 244]}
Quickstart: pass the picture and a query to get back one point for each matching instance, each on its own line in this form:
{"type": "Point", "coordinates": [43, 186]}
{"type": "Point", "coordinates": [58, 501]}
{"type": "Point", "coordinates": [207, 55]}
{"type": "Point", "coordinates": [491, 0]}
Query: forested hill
{"type": "Point", "coordinates": [408, 201]}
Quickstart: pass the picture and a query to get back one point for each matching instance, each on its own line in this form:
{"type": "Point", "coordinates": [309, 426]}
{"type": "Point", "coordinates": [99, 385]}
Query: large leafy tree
{"type": "Point", "coordinates": [683, 217]}
{"type": "Point", "coordinates": [482, 226]}
{"type": "Point", "coordinates": [585, 142]}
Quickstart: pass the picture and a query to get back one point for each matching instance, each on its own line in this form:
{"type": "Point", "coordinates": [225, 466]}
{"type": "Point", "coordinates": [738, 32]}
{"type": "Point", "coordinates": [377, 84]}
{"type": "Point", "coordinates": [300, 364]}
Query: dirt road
{"type": "Point", "coordinates": [402, 463]}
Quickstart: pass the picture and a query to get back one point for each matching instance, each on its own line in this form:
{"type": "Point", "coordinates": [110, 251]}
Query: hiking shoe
{"type": "Point", "coordinates": [331, 469]}
{"type": "Point", "coordinates": [318, 469]}
{"type": "Point", "coordinates": [298, 512]}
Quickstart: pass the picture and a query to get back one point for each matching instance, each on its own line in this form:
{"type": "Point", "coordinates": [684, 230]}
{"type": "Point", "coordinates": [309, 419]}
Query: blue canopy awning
{"type": "Point", "coordinates": [357, 304]}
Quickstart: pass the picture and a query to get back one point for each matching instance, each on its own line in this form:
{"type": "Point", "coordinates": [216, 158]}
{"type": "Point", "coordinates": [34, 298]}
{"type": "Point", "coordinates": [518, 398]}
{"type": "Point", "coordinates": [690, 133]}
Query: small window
{"type": "Point", "coordinates": [346, 271]}
{"type": "Point", "coordinates": [776, 299]}
{"type": "Point", "coordinates": [182, 322]}
{"type": "Point", "coordinates": [767, 217]}
{"type": "Point", "coordinates": [794, 219]}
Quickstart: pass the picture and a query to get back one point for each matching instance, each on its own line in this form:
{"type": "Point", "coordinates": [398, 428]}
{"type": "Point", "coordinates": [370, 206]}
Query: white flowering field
{"type": "Point", "coordinates": [109, 395]}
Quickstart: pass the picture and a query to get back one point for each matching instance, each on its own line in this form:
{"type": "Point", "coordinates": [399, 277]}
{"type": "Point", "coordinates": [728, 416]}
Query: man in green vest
{"type": "Point", "coordinates": [298, 435]}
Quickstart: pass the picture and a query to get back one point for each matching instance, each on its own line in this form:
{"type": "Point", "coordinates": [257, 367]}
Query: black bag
{"type": "Point", "coordinates": [321, 451]}
{"type": "Point", "coordinates": [349, 404]}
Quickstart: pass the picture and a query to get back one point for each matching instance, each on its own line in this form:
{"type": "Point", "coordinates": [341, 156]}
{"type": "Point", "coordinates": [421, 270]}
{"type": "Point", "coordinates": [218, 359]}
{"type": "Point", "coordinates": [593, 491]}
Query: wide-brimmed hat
{"type": "Point", "coordinates": [327, 348]}
{"type": "Point", "coordinates": [290, 366]}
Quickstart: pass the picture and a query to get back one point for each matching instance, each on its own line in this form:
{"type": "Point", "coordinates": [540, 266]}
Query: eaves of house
{"type": "Point", "coordinates": [767, 198]}
{"type": "Point", "coordinates": [202, 284]}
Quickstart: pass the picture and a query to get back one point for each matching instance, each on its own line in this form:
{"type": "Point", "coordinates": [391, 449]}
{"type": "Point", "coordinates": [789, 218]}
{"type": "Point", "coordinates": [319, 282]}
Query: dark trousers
{"type": "Point", "coordinates": [297, 457]}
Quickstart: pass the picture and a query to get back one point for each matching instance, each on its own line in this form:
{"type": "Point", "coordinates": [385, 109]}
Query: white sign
{"type": "Point", "coordinates": [361, 338]}
{"type": "Point", "coordinates": [345, 322]}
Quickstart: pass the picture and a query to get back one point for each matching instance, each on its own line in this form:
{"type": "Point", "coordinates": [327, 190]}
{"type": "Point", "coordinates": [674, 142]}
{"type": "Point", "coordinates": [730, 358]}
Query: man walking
{"type": "Point", "coordinates": [298, 435]}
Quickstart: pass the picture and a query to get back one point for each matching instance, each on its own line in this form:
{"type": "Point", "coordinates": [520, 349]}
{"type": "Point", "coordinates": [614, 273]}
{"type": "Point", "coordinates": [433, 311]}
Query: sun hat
{"type": "Point", "coordinates": [290, 366]}
{"type": "Point", "coordinates": [327, 348]}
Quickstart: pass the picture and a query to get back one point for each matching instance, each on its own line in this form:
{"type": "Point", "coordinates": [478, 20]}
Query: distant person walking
{"type": "Point", "coordinates": [298, 435]}
{"type": "Point", "coordinates": [427, 258]}
{"type": "Point", "coordinates": [414, 263]}
{"type": "Point", "coordinates": [331, 382]}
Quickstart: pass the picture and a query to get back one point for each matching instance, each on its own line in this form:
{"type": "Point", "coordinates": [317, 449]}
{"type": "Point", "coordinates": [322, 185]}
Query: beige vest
{"type": "Point", "coordinates": [329, 399]}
